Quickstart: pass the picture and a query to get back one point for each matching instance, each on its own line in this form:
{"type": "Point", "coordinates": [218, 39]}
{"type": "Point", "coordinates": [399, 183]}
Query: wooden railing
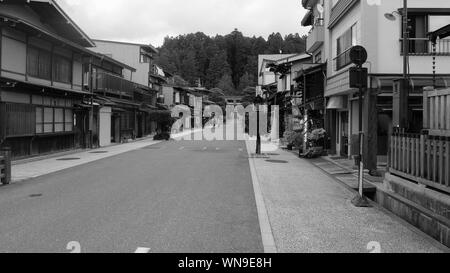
{"type": "Point", "coordinates": [422, 158]}
{"type": "Point", "coordinates": [5, 166]}
{"type": "Point", "coordinates": [436, 116]}
{"type": "Point", "coordinates": [112, 85]}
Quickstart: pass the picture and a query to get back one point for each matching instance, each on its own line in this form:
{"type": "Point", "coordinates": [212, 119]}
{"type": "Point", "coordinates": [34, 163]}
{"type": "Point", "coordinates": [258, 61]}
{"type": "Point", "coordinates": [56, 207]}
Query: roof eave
{"type": "Point", "coordinates": [53, 3]}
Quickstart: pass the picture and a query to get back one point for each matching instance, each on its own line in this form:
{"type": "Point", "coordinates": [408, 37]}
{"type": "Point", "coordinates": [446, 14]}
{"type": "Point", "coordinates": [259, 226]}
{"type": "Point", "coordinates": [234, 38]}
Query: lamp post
{"type": "Point", "coordinates": [258, 101]}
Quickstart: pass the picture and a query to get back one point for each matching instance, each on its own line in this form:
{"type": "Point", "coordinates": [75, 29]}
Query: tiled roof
{"type": "Point", "coordinates": [339, 11]}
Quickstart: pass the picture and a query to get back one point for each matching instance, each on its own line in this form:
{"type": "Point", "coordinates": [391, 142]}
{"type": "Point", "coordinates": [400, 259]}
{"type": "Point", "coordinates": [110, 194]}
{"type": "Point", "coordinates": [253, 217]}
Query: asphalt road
{"type": "Point", "coordinates": [173, 197]}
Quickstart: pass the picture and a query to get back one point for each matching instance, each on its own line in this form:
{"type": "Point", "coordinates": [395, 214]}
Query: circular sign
{"type": "Point", "coordinates": [358, 55]}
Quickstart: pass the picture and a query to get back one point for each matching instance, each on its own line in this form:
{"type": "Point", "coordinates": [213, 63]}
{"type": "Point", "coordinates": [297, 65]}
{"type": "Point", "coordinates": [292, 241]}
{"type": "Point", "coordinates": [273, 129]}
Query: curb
{"type": "Point", "coordinates": [264, 222]}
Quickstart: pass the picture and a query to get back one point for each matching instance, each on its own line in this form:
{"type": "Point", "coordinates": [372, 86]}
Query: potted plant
{"type": "Point", "coordinates": [315, 143]}
{"type": "Point", "coordinates": [293, 139]}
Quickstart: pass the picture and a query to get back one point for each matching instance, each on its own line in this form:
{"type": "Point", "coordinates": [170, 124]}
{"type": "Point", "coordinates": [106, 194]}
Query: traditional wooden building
{"type": "Point", "coordinates": [57, 94]}
{"type": "Point", "coordinates": [41, 79]}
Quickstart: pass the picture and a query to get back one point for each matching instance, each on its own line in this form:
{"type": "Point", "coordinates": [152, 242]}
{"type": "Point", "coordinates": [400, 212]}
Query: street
{"type": "Point", "coordinates": [174, 196]}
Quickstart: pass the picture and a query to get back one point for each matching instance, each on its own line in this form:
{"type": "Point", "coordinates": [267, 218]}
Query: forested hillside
{"type": "Point", "coordinates": [229, 62]}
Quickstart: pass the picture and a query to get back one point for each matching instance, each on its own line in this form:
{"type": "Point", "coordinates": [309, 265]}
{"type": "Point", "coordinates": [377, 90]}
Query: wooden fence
{"type": "Point", "coordinates": [423, 158]}
{"type": "Point", "coordinates": [436, 114]}
{"type": "Point", "coordinates": [5, 166]}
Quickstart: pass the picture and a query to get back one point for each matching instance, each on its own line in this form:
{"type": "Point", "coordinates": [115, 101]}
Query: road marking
{"type": "Point", "coordinates": [264, 222]}
{"type": "Point", "coordinates": [74, 247]}
{"type": "Point", "coordinates": [142, 250]}
{"type": "Point", "coordinates": [181, 148]}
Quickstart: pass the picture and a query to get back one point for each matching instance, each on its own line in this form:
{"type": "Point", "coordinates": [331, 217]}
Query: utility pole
{"type": "Point", "coordinates": [91, 113]}
{"type": "Point", "coordinates": [404, 89]}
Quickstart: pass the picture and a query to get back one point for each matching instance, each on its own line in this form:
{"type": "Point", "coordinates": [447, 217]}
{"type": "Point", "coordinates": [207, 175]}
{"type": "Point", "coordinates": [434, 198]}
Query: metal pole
{"type": "Point", "coordinates": [91, 114]}
{"type": "Point", "coordinates": [360, 200]}
{"type": "Point", "coordinates": [361, 134]}
{"type": "Point", "coordinates": [404, 95]}
{"type": "Point", "coordinates": [258, 136]}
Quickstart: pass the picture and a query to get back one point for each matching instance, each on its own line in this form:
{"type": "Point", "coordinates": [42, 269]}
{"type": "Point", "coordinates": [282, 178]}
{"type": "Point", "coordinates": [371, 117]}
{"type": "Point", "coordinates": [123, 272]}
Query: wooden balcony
{"type": "Point", "coordinates": [114, 86]}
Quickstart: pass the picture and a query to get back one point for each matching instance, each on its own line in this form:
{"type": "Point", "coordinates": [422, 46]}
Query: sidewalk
{"type": "Point", "coordinates": [33, 169]}
{"type": "Point", "coordinates": [310, 212]}
{"type": "Point", "coordinates": [28, 169]}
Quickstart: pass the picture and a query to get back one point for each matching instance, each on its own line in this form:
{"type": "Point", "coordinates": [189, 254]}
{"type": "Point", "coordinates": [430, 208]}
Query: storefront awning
{"type": "Point", "coordinates": [336, 103]}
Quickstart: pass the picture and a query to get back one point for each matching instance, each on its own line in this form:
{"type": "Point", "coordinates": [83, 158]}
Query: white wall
{"type": "Point", "coordinates": [352, 18]}
{"type": "Point", "coordinates": [128, 54]}
{"type": "Point", "coordinates": [168, 95]}
{"type": "Point", "coordinates": [389, 33]}
{"type": "Point", "coordinates": [105, 126]}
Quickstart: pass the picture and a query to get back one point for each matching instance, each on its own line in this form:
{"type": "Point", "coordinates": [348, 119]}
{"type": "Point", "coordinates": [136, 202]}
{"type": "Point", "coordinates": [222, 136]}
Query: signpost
{"type": "Point", "coordinates": [358, 79]}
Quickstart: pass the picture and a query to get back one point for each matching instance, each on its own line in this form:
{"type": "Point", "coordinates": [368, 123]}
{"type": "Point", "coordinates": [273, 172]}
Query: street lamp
{"type": "Point", "coordinates": [257, 102]}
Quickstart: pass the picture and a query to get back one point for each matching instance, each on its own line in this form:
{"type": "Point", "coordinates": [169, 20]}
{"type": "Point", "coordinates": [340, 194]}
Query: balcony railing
{"type": "Point", "coordinates": [114, 86]}
{"type": "Point", "coordinates": [424, 47]}
{"type": "Point", "coordinates": [342, 60]}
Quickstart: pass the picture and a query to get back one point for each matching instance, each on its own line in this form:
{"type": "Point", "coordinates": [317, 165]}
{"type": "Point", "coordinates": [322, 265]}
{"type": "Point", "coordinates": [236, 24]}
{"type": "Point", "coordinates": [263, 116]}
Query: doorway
{"type": "Point", "coordinates": [344, 133]}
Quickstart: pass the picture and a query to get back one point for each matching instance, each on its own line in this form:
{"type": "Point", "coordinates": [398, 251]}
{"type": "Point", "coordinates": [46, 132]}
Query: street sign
{"type": "Point", "coordinates": [358, 77]}
{"type": "Point", "coordinates": [358, 55]}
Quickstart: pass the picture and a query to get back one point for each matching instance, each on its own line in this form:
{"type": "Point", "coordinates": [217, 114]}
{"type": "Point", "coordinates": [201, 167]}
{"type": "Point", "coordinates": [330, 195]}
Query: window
{"type": "Point", "coordinates": [59, 120]}
{"type": "Point", "coordinates": [39, 121]}
{"type": "Point", "coordinates": [418, 27]}
{"type": "Point", "coordinates": [62, 69]}
{"type": "Point", "coordinates": [318, 58]}
{"type": "Point", "coordinates": [68, 120]}
{"type": "Point", "coordinates": [39, 63]}
{"type": "Point", "coordinates": [343, 44]}
{"type": "Point", "coordinates": [145, 59]}
{"type": "Point", "coordinates": [53, 120]}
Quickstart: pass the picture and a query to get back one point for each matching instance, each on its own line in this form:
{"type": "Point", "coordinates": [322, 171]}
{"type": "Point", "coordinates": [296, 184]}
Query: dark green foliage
{"type": "Point", "coordinates": [229, 62]}
{"type": "Point", "coordinates": [226, 84]}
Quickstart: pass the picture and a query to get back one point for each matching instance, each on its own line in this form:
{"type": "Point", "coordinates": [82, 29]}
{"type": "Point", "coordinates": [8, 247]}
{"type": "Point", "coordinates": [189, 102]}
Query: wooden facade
{"type": "Point", "coordinates": [58, 95]}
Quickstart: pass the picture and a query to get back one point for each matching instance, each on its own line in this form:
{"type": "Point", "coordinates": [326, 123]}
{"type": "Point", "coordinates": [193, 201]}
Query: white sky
{"type": "Point", "coordinates": [149, 21]}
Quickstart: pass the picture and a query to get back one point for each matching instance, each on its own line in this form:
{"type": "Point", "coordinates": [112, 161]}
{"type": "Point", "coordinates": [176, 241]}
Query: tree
{"type": "Point", "coordinates": [218, 97]}
{"type": "Point", "coordinates": [226, 84]}
{"type": "Point", "coordinates": [197, 56]}
{"type": "Point", "coordinates": [188, 68]}
{"type": "Point", "coordinates": [237, 50]}
{"type": "Point", "coordinates": [275, 44]}
{"type": "Point", "coordinates": [218, 67]}
{"type": "Point", "coordinates": [245, 81]}
{"type": "Point", "coordinates": [294, 43]}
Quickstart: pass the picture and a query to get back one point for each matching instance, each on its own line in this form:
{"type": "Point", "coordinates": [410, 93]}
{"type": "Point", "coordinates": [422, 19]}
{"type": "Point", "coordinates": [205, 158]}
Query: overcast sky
{"type": "Point", "coordinates": [149, 21]}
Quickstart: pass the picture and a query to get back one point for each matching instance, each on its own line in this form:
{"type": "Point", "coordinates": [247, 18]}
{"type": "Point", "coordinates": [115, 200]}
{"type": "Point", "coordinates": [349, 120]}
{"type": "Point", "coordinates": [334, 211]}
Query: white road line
{"type": "Point", "coordinates": [264, 222]}
{"type": "Point", "coordinates": [142, 250]}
